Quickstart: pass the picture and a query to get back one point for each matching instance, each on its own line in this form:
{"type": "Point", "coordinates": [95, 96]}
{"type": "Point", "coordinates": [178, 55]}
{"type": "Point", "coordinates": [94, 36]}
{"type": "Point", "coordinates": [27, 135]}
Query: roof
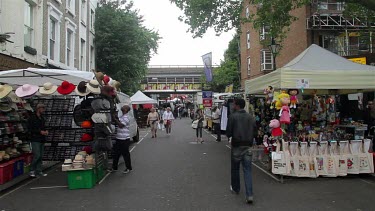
{"type": "Point", "coordinates": [140, 98]}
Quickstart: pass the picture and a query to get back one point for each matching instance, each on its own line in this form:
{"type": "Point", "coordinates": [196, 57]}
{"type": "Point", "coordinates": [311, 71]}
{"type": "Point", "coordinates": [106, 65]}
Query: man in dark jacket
{"type": "Point", "coordinates": [241, 128]}
{"type": "Point", "coordinates": [38, 133]}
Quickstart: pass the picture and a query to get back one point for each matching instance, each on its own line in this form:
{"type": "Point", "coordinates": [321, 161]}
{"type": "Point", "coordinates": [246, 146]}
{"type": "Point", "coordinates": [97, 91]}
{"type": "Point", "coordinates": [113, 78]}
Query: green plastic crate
{"type": "Point", "coordinates": [26, 169]}
{"type": "Point", "coordinates": [80, 179]}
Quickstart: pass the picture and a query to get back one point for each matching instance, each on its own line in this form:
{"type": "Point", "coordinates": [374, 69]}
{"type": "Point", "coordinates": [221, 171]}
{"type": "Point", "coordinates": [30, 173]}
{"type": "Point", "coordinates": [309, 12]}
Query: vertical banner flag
{"type": "Point", "coordinates": [207, 61]}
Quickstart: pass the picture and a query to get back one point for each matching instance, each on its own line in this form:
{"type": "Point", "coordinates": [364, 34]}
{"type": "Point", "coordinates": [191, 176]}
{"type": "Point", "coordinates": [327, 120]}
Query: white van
{"type": "Point", "coordinates": [125, 100]}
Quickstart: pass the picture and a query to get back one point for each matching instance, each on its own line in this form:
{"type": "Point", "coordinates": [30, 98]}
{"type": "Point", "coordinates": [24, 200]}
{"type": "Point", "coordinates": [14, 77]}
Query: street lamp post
{"type": "Point", "coordinates": [274, 48]}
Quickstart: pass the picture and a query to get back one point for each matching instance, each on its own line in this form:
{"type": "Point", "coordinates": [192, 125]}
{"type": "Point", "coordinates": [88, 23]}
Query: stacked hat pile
{"type": "Point", "coordinates": [81, 161]}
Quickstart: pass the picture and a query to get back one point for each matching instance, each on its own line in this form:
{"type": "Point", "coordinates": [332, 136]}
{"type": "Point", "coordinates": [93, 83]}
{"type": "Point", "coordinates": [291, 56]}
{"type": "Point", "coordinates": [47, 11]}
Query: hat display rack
{"type": "Point", "coordinates": [68, 114]}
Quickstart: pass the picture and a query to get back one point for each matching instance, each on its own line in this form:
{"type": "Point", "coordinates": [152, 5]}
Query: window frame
{"type": "Point", "coordinates": [55, 15]}
{"type": "Point", "coordinates": [29, 28]}
{"type": "Point", "coordinates": [82, 60]}
{"type": "Point", "coordinates": [266, 58]}
{"type": "Point", "coordinates": [83, 12]}
{"type": "Point", "coordinates": [248, 44]}
{"type": "Point", "coordinates": [71, 8]}
{"type": "Point", "coordinates": [247, 11]}
{"type": "Point", "coordinates": [248, 65]}
{"type": "Point", "coordinates": [70, 27]}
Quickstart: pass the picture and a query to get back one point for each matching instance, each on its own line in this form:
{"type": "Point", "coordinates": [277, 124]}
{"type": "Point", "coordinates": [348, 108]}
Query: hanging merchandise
{"type": "Point", "coordinates": [276, 130]}
{"type": "Point", "coordinates": [293, 97]}
{"type": "Point", "coordinates": [86, 124]}
{"type": "Point", "coordinates": [269, 94]}
{"type": "Point", "coordinates": [99, 77]}
{"type": "Point", "coordinates": [66, 88]}
{"type": "Point", "coordinates": [280, 160]}
{"type": "Point", "coordinates": [26, 90]}
{"type": "Point", "coordinates": [285, 110]}
{"type": "Point", "coordinates": [93, 86]}
{"type": "Point", "coordinates": [86, 137]}
{"type": "Point", "coordinates": [47, 89]}
{"type": "Point", "coordinates": [5, 90]}
{"type": "Point", "coordinates": [82, 89]}
{"type": "Point", "coordinates": [106, 79]}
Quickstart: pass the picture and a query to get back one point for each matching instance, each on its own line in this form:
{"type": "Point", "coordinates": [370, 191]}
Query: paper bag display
{"type": "Point", "coordinates": [279, 161]}
{"type": "Point", "coordinates": [312, 151]}
{"type": "Point", "coordinates": [332, 165]}
{"type": "Point", "coordinates": [294, 153]}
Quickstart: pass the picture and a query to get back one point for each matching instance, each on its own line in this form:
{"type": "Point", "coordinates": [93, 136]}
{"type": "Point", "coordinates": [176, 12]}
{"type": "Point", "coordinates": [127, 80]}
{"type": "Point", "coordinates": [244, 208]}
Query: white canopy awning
{"type": "Point", "coordinates": [38, 77]}
{"type": "Point", "coordinates": [324, 71]}
{"type": "Point", "coordinates": [140, 98]}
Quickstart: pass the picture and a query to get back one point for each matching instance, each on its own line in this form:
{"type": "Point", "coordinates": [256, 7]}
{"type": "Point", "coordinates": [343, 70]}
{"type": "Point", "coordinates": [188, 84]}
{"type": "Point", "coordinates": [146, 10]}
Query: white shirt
{"type": "Point", "coordinates": [216, 116]}
{"type": "Point", "coordinates": [168, 115]}
{"type": "Point", "coordinates": [123, 133]}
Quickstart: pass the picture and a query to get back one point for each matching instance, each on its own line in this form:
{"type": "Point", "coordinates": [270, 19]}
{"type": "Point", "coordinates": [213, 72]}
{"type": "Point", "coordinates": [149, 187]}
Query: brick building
{"type": "Point", "coordinates": [322, 23]}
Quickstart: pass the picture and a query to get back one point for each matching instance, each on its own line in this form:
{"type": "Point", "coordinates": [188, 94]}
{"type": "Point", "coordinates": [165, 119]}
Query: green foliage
{"type": "Point", "coordinates": [124, 46]}
{"type": "Point", "coordinates": [224, 15]}
{"type": "Point", "coordinates": [228, 72]}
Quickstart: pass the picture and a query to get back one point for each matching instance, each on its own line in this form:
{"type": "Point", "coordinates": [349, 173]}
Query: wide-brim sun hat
{"type": "Point", "coordinates": [82, 89]}
{"type": "Point", "coordinates": [99, 77]}
{"type": "Point", "coordinates": [100, 104]}
{"type": "Point", "coordinates": [5, 90]}
{"type": "Point", "coordinates": [86, 137]}
{"type": "Point", "coordinates": [66, 88]}
{"type": "Point", "coordinates": [93, 86]}
{"type": "Point", "coordinates": [26, 90]}
{"type": "Point", "coordinates": [14, 98]}
{"type": "Point", "coordinates": [47, 89]}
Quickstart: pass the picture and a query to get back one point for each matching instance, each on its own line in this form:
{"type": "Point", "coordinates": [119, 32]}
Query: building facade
{"type": "Point", "coordinates": [49, 33]}
{"type": "Point", "coordinates": [322, 23]}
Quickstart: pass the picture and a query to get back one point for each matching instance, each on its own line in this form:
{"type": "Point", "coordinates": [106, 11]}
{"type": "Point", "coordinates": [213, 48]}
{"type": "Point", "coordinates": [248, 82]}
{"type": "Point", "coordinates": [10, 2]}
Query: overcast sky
{"type": "Point", "coordinates": [177, 47]}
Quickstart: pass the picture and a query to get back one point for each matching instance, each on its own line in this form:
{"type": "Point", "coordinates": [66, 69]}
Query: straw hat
{"type": "Point", "coordinates": [66, 88]}
{"type": "Point", "coordinates": [116, 85]}
{"type": "Point", "coordinates": [93, 86]}
{"type": "Point", "coordinates": [5, 90]}
{"type": "Point", "coordinates": [47, 89]}
{"type": "Point", "coordinates": [14, 98]}
{"type": "Point", "coordinates": [81, 89]}
{"type": "Point", "coordinates": [26, 90]}
{"type": "Point", "coordinates": [99, 77]}
{"type": "Point", "coordinates": [108, 90]}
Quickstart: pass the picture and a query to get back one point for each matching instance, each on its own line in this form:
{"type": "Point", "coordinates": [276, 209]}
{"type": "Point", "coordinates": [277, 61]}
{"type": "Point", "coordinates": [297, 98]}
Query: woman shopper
{"type": "Point", "coordinates": [167, 120]}
{"type": "Point", "coordinates": [199, 116]}
{"type": "Point", "coordinates": [153, 120]}
{"type": "Point", "coordinates": [121, 146]}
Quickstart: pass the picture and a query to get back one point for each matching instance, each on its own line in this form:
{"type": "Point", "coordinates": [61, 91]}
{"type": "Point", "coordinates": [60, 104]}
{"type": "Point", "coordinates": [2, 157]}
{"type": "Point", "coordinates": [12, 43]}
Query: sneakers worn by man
{"type": "Point", "coordinates": [127, 171]}
{"type": "Point", "coordinates": [234, 192]}
{"type": "Point", "coordinates": [42, 174]}
{"type": "Point", "coordinates": [32, 174]}
{"type": "Point", "coordinates": [249, 199]}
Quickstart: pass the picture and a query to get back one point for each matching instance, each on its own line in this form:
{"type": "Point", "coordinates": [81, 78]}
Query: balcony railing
{"type": "Point", "coordinates": [352, 50]}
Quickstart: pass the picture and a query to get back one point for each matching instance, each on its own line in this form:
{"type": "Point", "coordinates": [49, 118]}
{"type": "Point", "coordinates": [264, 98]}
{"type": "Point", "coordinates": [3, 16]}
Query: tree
{"type": "Point", "coordinates": [228, 72]}
{"type": "Point", "coordinates": [224, 15]}
{"type": "Point", "coordinates": [124, 46]}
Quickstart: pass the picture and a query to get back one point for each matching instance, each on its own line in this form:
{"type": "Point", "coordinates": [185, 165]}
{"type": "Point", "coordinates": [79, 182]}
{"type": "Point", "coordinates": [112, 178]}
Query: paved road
{"type": "Point", "coordinates": [174, 173]}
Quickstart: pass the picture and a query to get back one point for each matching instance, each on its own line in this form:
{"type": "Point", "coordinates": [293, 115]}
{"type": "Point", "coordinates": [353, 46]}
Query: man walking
{"type": "Point", "coordinates": [167, 119]}
{"type": "Point", "coordinates": [121, 147]}
{"type": "Point", "coordinates": [38, 133]}
{"type": "Point", "coordinates": [241, 128]}
{"type": "Point", "coordinates": [216, 121]}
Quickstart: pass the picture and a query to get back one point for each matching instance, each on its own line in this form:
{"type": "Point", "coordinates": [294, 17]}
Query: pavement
{"type": "Point", "coordinates": [175, 173]}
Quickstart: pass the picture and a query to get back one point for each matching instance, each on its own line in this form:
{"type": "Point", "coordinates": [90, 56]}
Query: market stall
{"type": "Point", "coordinates": [80, 107]}
{"type": "Point", "coordinates": [142, 104]}
{"type": "Point", "coordinates": [300, 119]}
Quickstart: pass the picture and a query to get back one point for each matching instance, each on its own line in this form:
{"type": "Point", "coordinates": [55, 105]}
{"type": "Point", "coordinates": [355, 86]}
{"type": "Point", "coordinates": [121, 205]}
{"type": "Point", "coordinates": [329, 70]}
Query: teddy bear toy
{"type": "Point", "coordinates": [276, 130]}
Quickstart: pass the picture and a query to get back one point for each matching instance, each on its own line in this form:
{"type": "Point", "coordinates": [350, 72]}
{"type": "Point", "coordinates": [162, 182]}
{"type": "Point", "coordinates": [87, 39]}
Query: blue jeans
{"type": "Point", "coordinates": [242, 155]}
{"type": "Point", "coordinates": [36, 164]}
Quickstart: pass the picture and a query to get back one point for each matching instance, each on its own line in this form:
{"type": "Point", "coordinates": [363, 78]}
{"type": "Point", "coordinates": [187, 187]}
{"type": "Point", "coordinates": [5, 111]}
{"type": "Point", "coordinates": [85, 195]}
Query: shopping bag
{"type": "Point", "coordinates": [279, 161]}
{"type": "Point", "coordinates": [160, 126]}
{"type": "Point", "coordinates": [312, 151]}
{"type": "Point", "coordinates": [321, 162]}
{"type": "Point", "coordinates": [293, 160]}
{"type": "Point", "coordinates": [366, 162]}
{"type": "Point", "coordinates": [332, 165]}
{"type": "Point", "coordinates": [194, 124]}
{"type": "Point", "coordinates": [302, 161]}
{"type": "Point", "coordinates": [353, 157]}
{"type": "Point", "coordinates": [341, 159]}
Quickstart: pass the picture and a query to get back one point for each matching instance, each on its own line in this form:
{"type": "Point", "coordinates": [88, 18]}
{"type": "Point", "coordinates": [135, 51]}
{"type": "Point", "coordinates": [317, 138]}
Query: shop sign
{"type": "Point", "coordinates": [165, 87]}
{"type": "Point", "coordinates": [207, 102]}
{"type": "Point", "coordinates": [207, 94]}
{"type": "Point", "coordinates": [360, 60]}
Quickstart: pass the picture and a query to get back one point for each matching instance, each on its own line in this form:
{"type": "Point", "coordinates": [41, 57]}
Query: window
{"type": "Point", "coordinates": [248, 39]}
{"type": "Point", "coordinates": [92, 58]}
{"type": "Point", "coordinates": [248, 65]}
{"type": "Point", "coordinates": [92, 20]}
{"type": "Point", "coordinates": [266, 60]}
{"type": "Point", "coordinates": [28, 22]}
{"type": "Point", "coordinates": [264, 32]}
{"type": "Point", "coordinates": [83, 55]}
{"type": "Point", "coordinates": [52, 39]}
{"type": "Point", "coordinates": [247, 12]}
{"type": "Point", "coordinates": [70, 41]}
{"type": "Point", "coordinates": [70, 6]}
{"type": "Point", "coordinates": [54, 19]}
{"type": "Point", "coordinates": [83, 11]}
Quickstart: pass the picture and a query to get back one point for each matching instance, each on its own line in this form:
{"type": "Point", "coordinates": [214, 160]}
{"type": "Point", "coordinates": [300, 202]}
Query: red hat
{"type": "Point", "coordinates": [87, 149]}
{"type": "Point", "coordinates": [86, 137]}
{"type": "Point", "coordinates": [106, 79]}
{"type": "Point", "coordinates": [66, 88]}
{"type": "Point", "coordinates": [86, 124]}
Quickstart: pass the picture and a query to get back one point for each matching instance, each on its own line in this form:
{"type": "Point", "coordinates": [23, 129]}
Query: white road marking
{"type": "Point", "coordinates": [105, 177]}
{"type": "Point", "coordinates": [228, 146]}
{"type": "Point", "coordinates": [132, 149]}
{"type": "Point", "coordinates": [50, 187]}
{"type": "Point", "coordinates": [143, 138]}
{"type": "Point", "coordinates": [269, 174]}
{"type": "Point", "coordinates": [368, 182]}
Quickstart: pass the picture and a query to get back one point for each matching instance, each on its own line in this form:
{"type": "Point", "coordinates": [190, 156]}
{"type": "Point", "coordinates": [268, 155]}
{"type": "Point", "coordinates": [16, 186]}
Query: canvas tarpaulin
{"type": "Point", "coordinates": [140, 98]}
